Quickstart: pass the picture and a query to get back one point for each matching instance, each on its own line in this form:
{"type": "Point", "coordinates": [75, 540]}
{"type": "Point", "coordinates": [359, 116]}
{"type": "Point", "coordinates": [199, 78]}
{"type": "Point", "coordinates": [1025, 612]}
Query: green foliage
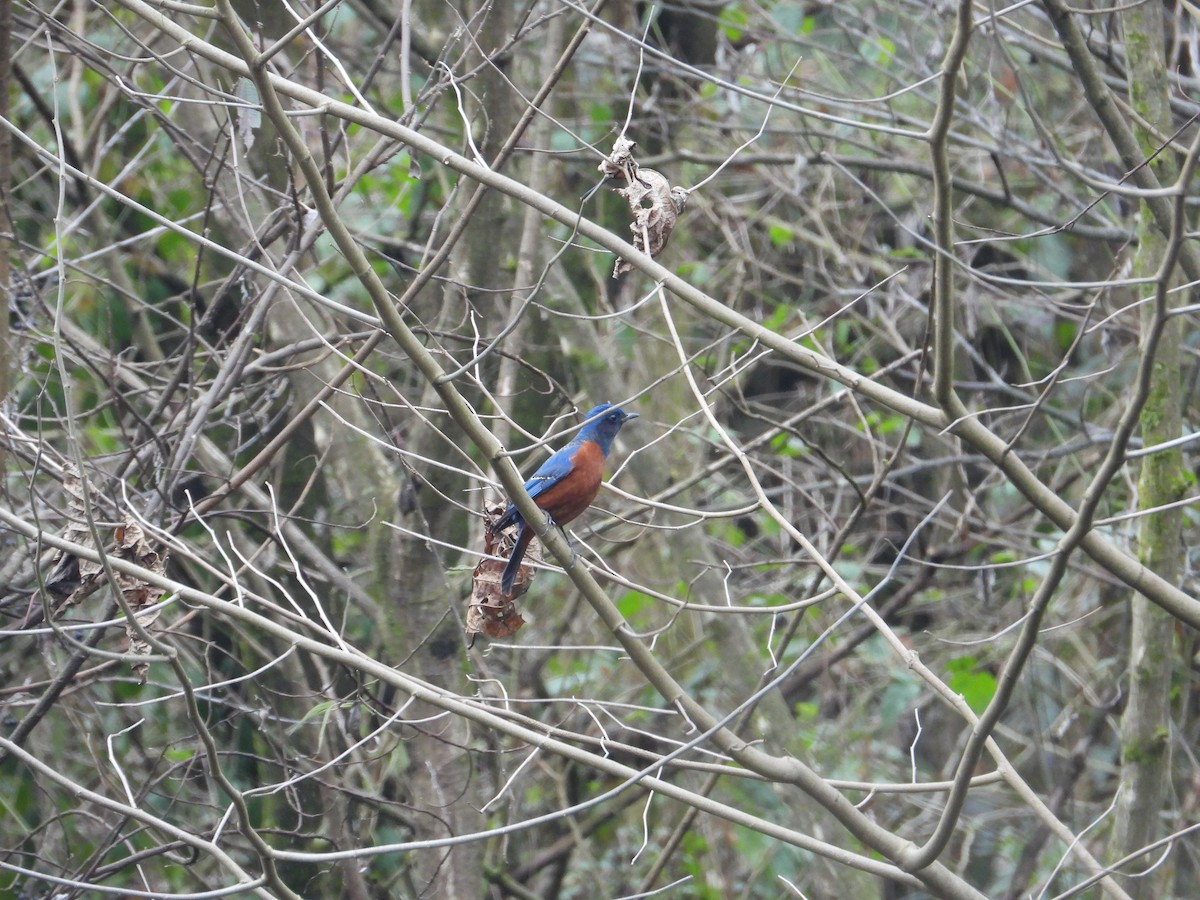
{"type": "Point", "coordinates": [778, 319]}
{"type": "Point", "coordinates": [807, 712]}
{"type": "Point", "coordinates": [879, 51]}
{"type": "Point", "coordinates": [917, 254]}
{"type": "Point", "coordinates": [899, 697]}
{"type": "Point", "coordinates": [1065, 332]}
{"type": "Point", "coordinates": [790, 445]}
{"type": "Point", "coordinates": [976, 685]}
{"type": "Point", "coordinates": [781, 235]}
{"type": "Point", "coordinates": [882, 422]}
{"type": "Point", "coordinates": [695, 852]}
{"type": "Point", "coordinates": [632, 603]}
{"type": "Point", "coordinates": [734, 21]}
{"type": "Point", "coordinates": [790, 17]}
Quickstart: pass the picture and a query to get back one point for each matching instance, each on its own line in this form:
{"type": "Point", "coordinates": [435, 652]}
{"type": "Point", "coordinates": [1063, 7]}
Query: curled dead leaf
{"type": "Point", "coordinates": [75, 578]}
{"type": "Point", "coordinates": [490, 611]}
{"type": "Point", "coordinates": [653, 202]}
{"type": "Point", "coordinates": [140, 595]}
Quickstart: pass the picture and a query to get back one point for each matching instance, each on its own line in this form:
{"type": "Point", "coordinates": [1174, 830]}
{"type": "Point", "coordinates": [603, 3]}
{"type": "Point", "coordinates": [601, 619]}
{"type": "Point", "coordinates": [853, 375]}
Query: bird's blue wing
{"type": "Point", "coordinates": [552, 471]}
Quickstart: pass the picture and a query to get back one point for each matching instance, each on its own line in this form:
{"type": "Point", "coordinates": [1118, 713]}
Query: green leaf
{"type": "Point", "coordinates": [791, 17]}
{"type": "Point", "coordinates": [632, 603]}
{"type": "Point", "coordinates": [1064, 333]}
{"type": "Point", "coordinates": [788, 445]}
{"type": "Point", "coordinates": [733, 22]}
{"type": "Point", "coordinates": [319, 711]}
{"type": "Point", "coordinates": [807, 712]}
{"type": "Point", "coordinates": [776, 320]}
{"type": "Point", "coordinates": [879, 51]}
{"type": "Point", "coordinates": [976, 687]}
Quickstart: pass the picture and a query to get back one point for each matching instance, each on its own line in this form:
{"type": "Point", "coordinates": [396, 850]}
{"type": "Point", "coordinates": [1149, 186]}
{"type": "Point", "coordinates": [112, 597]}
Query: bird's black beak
{"type": "Point", "coordinates": [629, 416]}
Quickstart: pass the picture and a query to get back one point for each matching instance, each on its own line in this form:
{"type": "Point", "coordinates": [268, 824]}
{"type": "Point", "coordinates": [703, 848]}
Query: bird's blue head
{"type": "Point", "coordinates": [603, 423]}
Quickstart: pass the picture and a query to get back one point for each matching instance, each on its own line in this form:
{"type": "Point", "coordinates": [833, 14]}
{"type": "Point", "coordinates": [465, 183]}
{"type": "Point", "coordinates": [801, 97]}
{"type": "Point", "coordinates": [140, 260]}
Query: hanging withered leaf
{"type": "Point", "coordinates": [653, 202]}
{"type": "Point", "coordinates": [73, 578]}
{"type": "Point", "coordinates": [490, 612]}
{"type": "Point", "coordinates": [140, 595]}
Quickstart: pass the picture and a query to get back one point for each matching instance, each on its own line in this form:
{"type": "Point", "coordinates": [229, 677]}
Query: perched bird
{"type": "Point", "coordinates": [566, 483]}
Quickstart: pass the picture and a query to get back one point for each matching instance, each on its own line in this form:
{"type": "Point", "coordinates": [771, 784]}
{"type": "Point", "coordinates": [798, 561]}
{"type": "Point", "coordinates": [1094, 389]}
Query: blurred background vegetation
{"type": "Point", "coordinates": [191, 355]}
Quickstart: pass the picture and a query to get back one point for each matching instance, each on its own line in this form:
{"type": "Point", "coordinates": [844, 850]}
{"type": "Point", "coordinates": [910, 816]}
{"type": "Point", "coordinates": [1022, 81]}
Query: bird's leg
{"type": "Point", "coordinates": [550, 523]}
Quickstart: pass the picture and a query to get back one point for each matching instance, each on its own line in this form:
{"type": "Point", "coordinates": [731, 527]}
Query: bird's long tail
{"type": "Point", "coordinates": [524, 536]}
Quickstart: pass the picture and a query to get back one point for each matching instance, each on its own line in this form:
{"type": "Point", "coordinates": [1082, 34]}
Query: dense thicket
{"type": "Point", "coordinates": [890, 592]}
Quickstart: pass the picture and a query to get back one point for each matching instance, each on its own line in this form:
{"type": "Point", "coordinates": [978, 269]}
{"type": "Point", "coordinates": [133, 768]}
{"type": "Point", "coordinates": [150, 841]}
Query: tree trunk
{"type": "Point", "coordinates": [449, 778]}
{"type": "Point", "coordinates": [1146, 725]}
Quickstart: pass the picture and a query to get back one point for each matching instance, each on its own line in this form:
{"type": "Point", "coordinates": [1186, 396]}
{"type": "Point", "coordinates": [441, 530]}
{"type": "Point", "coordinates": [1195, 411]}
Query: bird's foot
{"type": "Point", "coordinates": [550, 523]}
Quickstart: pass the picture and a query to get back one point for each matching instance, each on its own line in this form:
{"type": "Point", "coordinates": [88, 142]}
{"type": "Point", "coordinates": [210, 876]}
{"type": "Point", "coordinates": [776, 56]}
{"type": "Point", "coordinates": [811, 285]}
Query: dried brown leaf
{"type": "Point", "coordinates": [133, 546]}
{"type": "Point", "coordinates": [653, 202]}
{"type": "Point", "coordinates": [74, 578]}
{"type": "Point", "coordinates": [490, 611]}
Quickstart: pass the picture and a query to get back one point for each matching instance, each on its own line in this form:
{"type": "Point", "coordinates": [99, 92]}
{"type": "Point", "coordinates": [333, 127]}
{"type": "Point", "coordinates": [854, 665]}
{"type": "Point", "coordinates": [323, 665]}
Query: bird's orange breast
{"type": "Point", "coordinates": [576, 490]}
